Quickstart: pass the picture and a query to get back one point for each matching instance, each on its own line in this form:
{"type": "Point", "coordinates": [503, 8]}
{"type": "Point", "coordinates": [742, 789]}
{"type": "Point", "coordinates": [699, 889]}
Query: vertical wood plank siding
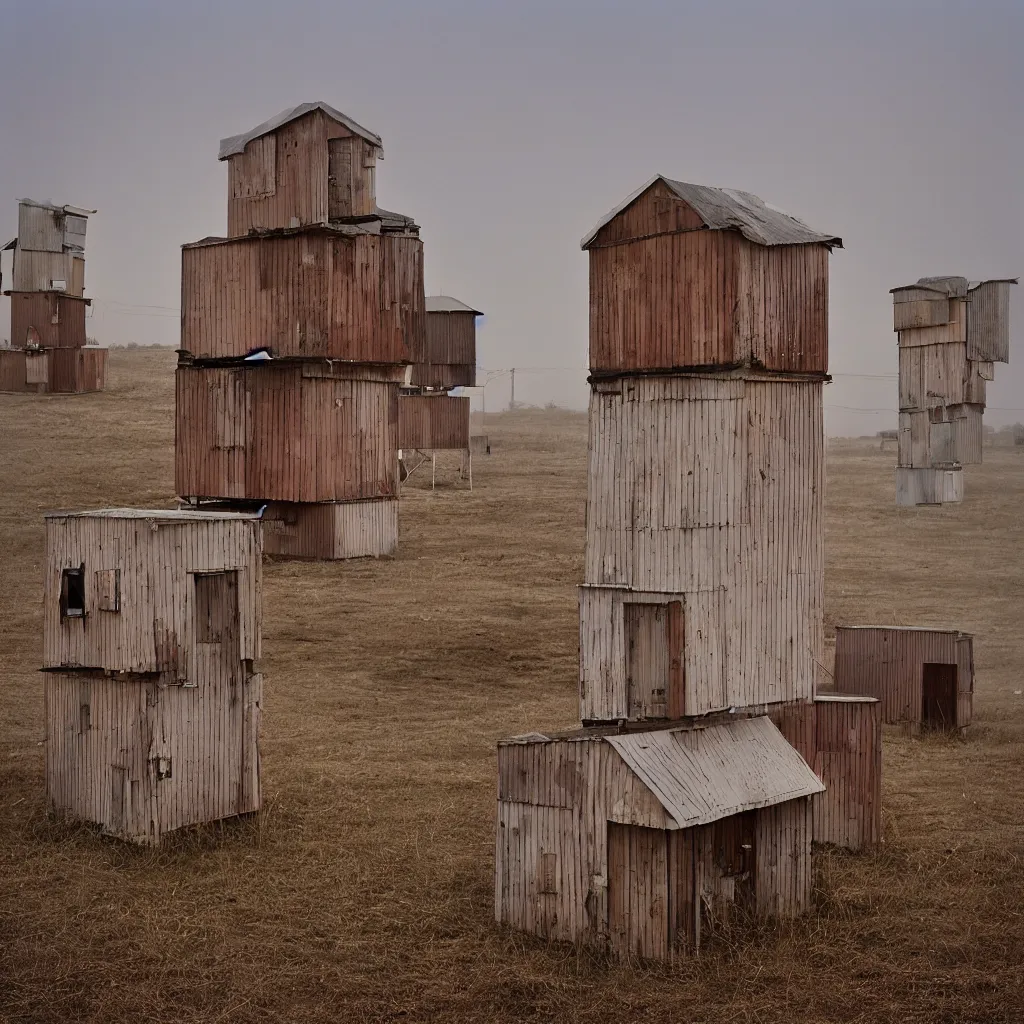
{"type": "Point", "coordinates": [58, 320]}
{"type": "Point", "coordinates": [988, 322]}
{"type": "Point", "coordinates": [36, 271]}
{"type": "Point", "coordinates": [929, 486]}
{"type": "Point", "coordinates": [356, 298]}
{"type": "Point", "coordinates": [66, 371]}
{"type": "Point", "coordinates": [708, 298]}
{"type": "Point", "coordinates": [152, 723]}
{"type": "Point", "coordinates": [707, 486]}
{"type": "Point", "coordinates": [887, 663]}
{"type": "Point", "coordinates": [840, 737]}
{"type": "Point", "coordinates": [332, 530]}
{"type": "Point", "coordinates": [275, 433]}
{"type": "Point", "coordinates": [450, 354]}
{"type": "Point", "coordinates": [283, 177]}
{"type": "Point", "coordinates": [584, 854]}
{"type": "Point", "coordinates": [433, 422]}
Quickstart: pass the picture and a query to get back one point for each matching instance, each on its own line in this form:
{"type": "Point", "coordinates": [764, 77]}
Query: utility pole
{"type": "Point", "coordinates": [512, 401]}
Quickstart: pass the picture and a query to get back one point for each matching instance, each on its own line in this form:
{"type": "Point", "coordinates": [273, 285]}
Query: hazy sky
{"type": "Point", "coordinates": [510, 128]}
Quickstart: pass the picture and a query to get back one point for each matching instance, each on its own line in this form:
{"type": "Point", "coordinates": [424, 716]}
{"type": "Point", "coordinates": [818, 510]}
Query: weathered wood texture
{"type": "Point", "coordinates": [706, 491]}
{"type": "Point", "coordinates": [331, 530]}
{"type": "Point", "coordinates": [892, 663]}
{"type": "Point", "coordinates": [665, 295]}
{"type": "Point", "coordinates": [152, 699]}
{"type": "Point", "coordinates": [933, 375]}
{"type": "Point", "coordinates": [988, 322]}
{"type": "Point", "coordinates": [283, 433]}
{"type": "Point", "coordinates": [49, 319]}
{"type": "Point", "coordinates": [317, 293]}
{"type": "Point", "coordinates": [289, 179]}
{"type": "Point", "coordinates": [450, 352]}
{"type": "Point", "coordinates": [433, 422]}
{"type": "Point", "coordinates": [156, 560]}
{"type": "Point", "coordinates": [937, 485]}
{"type": "Point", "coordinates": [840, 737]}
{"type": "Point", "coordinates": [43, 271]}
{"type": "Point", "coordinates": [53, 371]}
{"type": "Point", "coordinates": [585, 853]}
{"type": "Point", "coordinates": [940, 436]}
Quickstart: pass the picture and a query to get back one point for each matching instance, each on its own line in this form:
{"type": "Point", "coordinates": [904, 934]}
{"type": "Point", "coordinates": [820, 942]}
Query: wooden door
{"type": "Point", "coordinates": [683, 905]}
{"type": "Point", "coordinates": [340, 162]}
{"type": "Point", "coordinates": [938, 696]}
{"type": "Point", "coordinates": [638, 918]}
{"type": "Point", "coordinates": [654, 660]}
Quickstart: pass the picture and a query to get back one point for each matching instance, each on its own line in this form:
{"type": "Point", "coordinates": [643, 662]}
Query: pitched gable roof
{"type": "Point", "coordinates": [702, 775]}
{"type": "Point", "coordinates": [236, 143]}
{"type": "Point", "coordinates": [727, 209]}
{"type": "Point", "coordinates": [447, 304]}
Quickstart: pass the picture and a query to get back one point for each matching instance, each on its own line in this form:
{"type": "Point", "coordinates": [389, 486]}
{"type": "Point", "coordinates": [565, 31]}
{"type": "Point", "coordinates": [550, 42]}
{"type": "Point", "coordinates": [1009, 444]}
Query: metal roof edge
{"type": "Point", "coordinates": [235, 144]}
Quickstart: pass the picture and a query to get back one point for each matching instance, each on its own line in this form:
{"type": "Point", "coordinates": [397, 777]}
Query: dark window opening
{"type": "Point", "coordinates": [72, 593]}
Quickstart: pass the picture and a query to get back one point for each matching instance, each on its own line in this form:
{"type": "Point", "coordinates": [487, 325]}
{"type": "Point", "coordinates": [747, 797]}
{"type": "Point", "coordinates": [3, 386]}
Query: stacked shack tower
{"type": "Point", "coordinates": [701, 623]}
{"type": "Point", "coordinates": [296, 331]}
{"type": "Point", "coordinates": [430, 417]}
{"type": "Point", "coordinates": [951, 332]}
{"type": "Point", "coordinates": [151, 646]}
{"type": "Point", "coordinates": [48, 353]}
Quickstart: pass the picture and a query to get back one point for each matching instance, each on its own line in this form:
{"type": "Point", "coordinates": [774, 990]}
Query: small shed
{"type": "Point", "coordinates": [643, 843]}
{"type": "Point", "coordinates": [449, 358]}
{"type": "Point", "coordinates": [53, 371]}
{"type": "Point", "coordinates": [923, 678]}
{"type": "Point", "coordinates": [152, 686]}
{"type": "Point", "coordinates": [310, 164]}
{"type": "Point", "coordinates": [685, 276]}
{"type": "Point", "coordinates": [49, 252]}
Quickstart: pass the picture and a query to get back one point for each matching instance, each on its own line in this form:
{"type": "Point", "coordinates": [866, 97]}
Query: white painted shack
{"type": "Point", "coordinates": [643, 843]}
{"type": "Point", "coordinates": [151, 646]}
{"type": "Point", "coordinates": [950, 332]}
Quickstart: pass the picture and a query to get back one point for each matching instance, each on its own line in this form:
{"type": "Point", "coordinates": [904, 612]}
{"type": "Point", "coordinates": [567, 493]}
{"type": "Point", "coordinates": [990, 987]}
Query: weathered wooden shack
{"type": "Point", "coordinates": [151, 647]}
{"type": "Point", "coordinates": [308, 165]}
{"type": "Point", "coordinates": [449, 354]}
{"type": "Point", "coordinates": [950, 333]}
{"type": "Point", "coordinates": [48, 306]}
{"type": "Point", "coordinates": [644, 843]}
{"type": "Point", "coordinates": [296, 333]}
{"type": "Point", "coordinates": [922, 677]}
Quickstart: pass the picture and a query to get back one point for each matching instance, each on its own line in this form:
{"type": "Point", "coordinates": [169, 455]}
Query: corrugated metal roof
{"type": "Point", "coordinates": [237, 143]}
{"type": "Point", "coordinates": [49, 204]}
{"type": "Point", "coordinates": [169, 515]}
{"type": "Point", "coordinates": [447, 304]}
{"type": "Point", "coordinates": [948, 285]}
{"type": "Point", "coordinates": [370, 227]}
{"type": "Point", "coordinates": [727, 209]}
{"type": "Point", "coordinates": [702, 775]}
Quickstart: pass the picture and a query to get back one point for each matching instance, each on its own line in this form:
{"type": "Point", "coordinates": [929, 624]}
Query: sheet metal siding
{"type": "Point", "coordinates": [559, 804]}
{"type": "Point", "coordinates": [741, 516]}
{"type": "Point", "coordinates": [12, 371]}
{"type": "Point", "coordinates": [61, 371]}
{"type": "Point", "coordinates": [357, 299]}
{"type": "Point", "coordinates": [300, 159]}
{"type": "Point", "coordinates": [450, 354]}
{"type": "Point", "coordinates": [154, 631]}
{"type": "Point", "coordinates": [887, 663]}
{"type": "Point", "coordinates": [40, 229]}
{"type": "Point", "coordinates": [929, 486]}
{"type": "Point", "coordinates": [59, 320]}
{"type": "Point", "coordinates": [433, 422]}
{"type": "Point", "coordinates": [988, 322]}
{"type": "Point", "coordinates": [332, 530]}
{"type": "Point", "coordinates": [701, 298]}
{"type": "Point", "coordinates": [272, 433]}
{"type": "Point", "coordinates": [36, 271]}
{"type": "Point", "coordinates": [932, 376]}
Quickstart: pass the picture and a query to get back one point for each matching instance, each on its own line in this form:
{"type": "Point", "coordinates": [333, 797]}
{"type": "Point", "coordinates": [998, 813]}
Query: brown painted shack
{"type": "Point", "coordinates": [49, 252]}
{"type": "Point", "coordinates": [309, 165]}
{"type": "Point", "coordinates": [53, 371]}
{"type": "Point", "coordinates": [432, 421]}
{"type": "Point", "coordinates": [923, 678]}
{"type": "Point", "coordinates": [644, 843]}
{"type": "Point", "coordinates": [685, 276]}
{"type": "Point", "coordinates": [151, 646]}
{"type": "Point", "coordinates": [449, 356]}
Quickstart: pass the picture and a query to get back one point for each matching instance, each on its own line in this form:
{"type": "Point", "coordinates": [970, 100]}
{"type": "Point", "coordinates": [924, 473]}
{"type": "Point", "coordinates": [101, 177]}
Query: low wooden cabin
{"type": "Point", "coordinates": [67, 371]}
{"type": "Point", "coordinates": [151, 646]}
{"type": "Point", "coordinates": [923, 678]}
{"type": "Point", "coordinates": [703, 562]}
{"type": "Point", "coordinates": [645, 843]}
{"type": "Point", "coordinates": [449, 358]}
{"type": "Point", "coordinates": [47, 320]}
{"type": "Point", "coordinates": [685, 276]}
{"type": "Point", "coordinates": [346, 292]}
{"type": "Point", "coordinates": [840, 736]}
{"type": "Point", "coordinates": [433, 422]}
{"type": "Point", "coordinates": [308, 165]}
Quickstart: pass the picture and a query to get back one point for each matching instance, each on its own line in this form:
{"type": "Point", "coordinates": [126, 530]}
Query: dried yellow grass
{"type": "Point", "coordinates": [363, 891]}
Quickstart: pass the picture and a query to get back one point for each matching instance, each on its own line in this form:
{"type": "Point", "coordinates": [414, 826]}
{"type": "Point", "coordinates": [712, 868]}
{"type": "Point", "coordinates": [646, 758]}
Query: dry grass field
{"type": "Point", "coordinates": [363, 890]}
